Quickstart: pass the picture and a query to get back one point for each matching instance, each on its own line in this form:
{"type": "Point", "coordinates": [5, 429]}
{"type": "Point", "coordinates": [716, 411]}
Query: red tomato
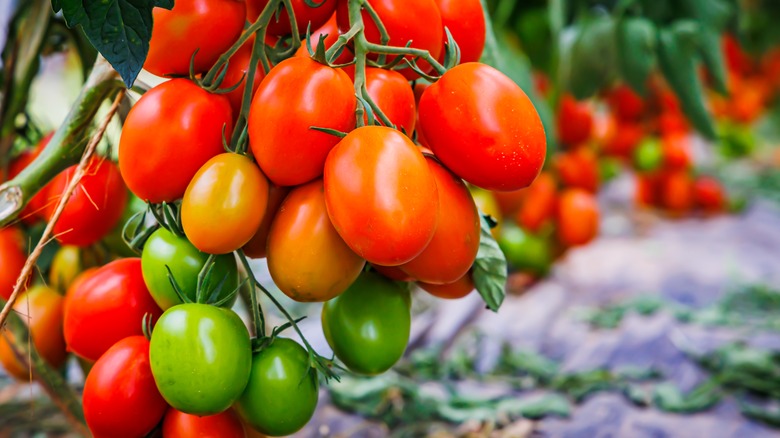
{"type": "Point", "coordinates": [495, 139]}
{"type": "Point", "coordinates": [307, 258]}
{"type": "Point", "coordinates": [105, 306]}
{"type": "Point", "coordinates": [38, 202]}
{"type": "Point", "coordinates": [419, 89]}
{"type": "Point", "coordinates": [418, 21]}
{"type": "Point", "coordinates": [578, 217]}
{"type": "Point", "coordinates": [95, 206]}
{"type": "Point", "coordinates": [708, 194]}
{"type": "Point", "coordinates": [177, 424]}
{"type": "Point", "coordinates": [459, 289]}
{"type": "Point", "coordinates": [256, 247]}
{"type": "Point", "coordinates": [578, 168]}
{"type": "Point", "coordinates": [455, 242]}
{"type": "Point", "coordinates": [622, 138]}
{"type": "Point", "coordinates": [305, 15]}
{"type": "Point", "coordinates": [393, 272]}
{"type": "Point", "coordinates": [646, 190]}
{"type": "Point", "coordinates": [297, 94]}
{"type": "Point", "coordinates": [168, 135]}
{"type": "Point", "coordinates": [120, 396]}
{"type": "Point", "coordinates": [41, 309]}
{"type": "Point", "coordinates": [574, 121]}
{"type": "Point", "coordinates": [238, 70]}
{"type": "Point", "coordinates": [466, 22]}
{"type": "Point", "coordinates": [676, 151]}
{"type": "Point", "coordinates": [676, 191]}
{"type": "Point", "coordinates": [381, 196]}
{"type": "Point", "coordinates": [394, 96]}
{"type": "Point", "coordinates": [737, 59]}
{"type": "Point", "coordinates": [539, 205]}
{"type": "Point", "coordinates": [510, 202]}
{"type": "Point", "coordinates": [626, 103]}
{"type": "Point", "coordinates": [13, 254]}
{"type": "Point", "coordinates": [208, 26]}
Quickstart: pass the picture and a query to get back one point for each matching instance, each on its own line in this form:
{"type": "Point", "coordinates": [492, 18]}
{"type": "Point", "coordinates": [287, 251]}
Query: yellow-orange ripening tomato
{"type": "Point", "coordinates": [256, 247]}
{"type": "Point", "coordinates": [208, 26]}
{"type": "Point", "coordinates": [224, 204]}
{"type": "Point", "coordinates": [483, 127]}
{"type": "Point", "coordinates": [42, 308]}
{"type": "Point", "coordinates": [578, 217]}
{"type": "Point", "coordinates": [457, 289]}
{"type": "Point", "coordinates": [298, 94]}
{"type": "Point", "coordinates": [307, 258]}
{"type": "Point", "coordinates": [381, 195]}
{"type": "Point", "coordinates": [454, 246]}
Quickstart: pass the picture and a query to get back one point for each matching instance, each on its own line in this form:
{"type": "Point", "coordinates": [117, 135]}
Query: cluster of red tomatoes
{"type": "Point", "coordinates": [320, 193]}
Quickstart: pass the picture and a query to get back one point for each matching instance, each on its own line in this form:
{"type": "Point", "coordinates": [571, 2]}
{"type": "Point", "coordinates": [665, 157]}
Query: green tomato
{"type": "Point", "coordinates": [609, 168]}
{"type": "Point", "coordinates": [649, 155]}
{"type": "Point", "coordinates": [368, 325]}
{"type": "Point", "coordinates": [525, 251]}
{"type": "Point", "coordinates": [163, 248]}
{"type": "Point", "coordinates": [282, 392]}
{"type": "Point", "coordinates": [113, 240]}
{"type": "Point", "coordinates": [201, 358]}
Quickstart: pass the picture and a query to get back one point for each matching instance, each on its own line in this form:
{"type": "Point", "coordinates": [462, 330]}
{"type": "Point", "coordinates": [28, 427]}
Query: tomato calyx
{"type": "Point", "coordinates": [202, 294]}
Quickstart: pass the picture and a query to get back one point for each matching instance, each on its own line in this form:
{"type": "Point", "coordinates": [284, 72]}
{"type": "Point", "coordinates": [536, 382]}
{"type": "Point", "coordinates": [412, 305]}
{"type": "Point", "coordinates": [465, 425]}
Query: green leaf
{"type": "Point", "coordinates": [767, 414]}
{"type": "Point", "coordinates": [535, 407]}
{"type": "Point", "coordinates": [712, 55]}
{"type": "Point", "coordinates": [668, 397]}
{"type": "Point", "coordinates": [56, 5]}
{"type": "Point", "coordinates": [490, 270]}
{"type": "Point", "coordinates": [592, 57]}
{"type": "Point", "coordinates": [119, 29]}
{"type": "Point", "coordinates": [635, 41]}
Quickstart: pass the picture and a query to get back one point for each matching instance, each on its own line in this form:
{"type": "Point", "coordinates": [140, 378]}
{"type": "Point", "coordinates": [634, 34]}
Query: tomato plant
{"type": "Point", "coordinates": [256, 247]}
{"type": "Point", "coordinates": [200, 357]}
{"type": "Point", "coordinates": [368, 325]}
{"type": "Point", "coordinates": [305, 15]}
{"type": "Point", "coordinates": [392, 93]}
{"type": "Point", "coordinates": [120, 395]}
{"type": "Point", "coordinates": [466, 22]}
{"type": "Point", "coordinates": [282, 392]}
{"type": "Point", "coordinates": [177, 424]}
{"type": "Point", "coordinates": [13, 255]}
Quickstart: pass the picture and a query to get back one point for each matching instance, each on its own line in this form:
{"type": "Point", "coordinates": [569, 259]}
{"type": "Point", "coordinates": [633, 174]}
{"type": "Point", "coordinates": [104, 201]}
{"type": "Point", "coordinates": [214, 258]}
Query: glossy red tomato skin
{"type": "Point", "coordinates": [329, 30]}
{"type": "Point", "coordinates": [709, 194]}
{"type": "Point", "coordinates": [168, 135]}
{"type": "Point", "coordinates": [455, 243]}
{"type": "Point", "coordinates": [380, 195]}
{"type": "Point", "coordinates": [578, 168]}
{"type": "Point", "coordinates": [106, 306]}
{"type": "Point", "coordinates": [95, 206]}
{"type": "Point", "coordinates": [208, 26]}
{"type": "Point", "coordinates": [575, 121]}
{"type": "Point", "coordinates": [13, 254]}
{"type": "Point", "coordinates": [538, 207]}
{"type": "Point", "coordinates": [483, 127]}
{"type": "Point", "coordinates": [626, 103]}
{"type": "Point", "coordinates": [578, 217]}
{"type": "Point", "coordinates": [297, 94]}
{"type": "Point", "coordinates": [177, 424]}
{"type": "Point", "coordinates": [452, 291]}
{"type": "Point", "coordinates": [304, 15]}
{"type": "Point", "coordinates": [466, 21]}
{"type": "Point", "coordinates": [121, 399]}
{"type": "Point", "coordinates": [394, 96]}
{"type": "Point", "coordinates": [392, 272]}
{"type": "Point", "coordinates": [238, 70]}
{"type": "Point", "coordinates": [37, 203]}
{"type": "Point", "coordinates": [422, 27]}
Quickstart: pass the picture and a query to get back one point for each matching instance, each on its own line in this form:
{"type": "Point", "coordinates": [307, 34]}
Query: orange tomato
{"type": "Point", "coordinates": [676, 191]}
{"type": "Point", "coordinates": [256, 247]}
{"type": "Point", "coordinates": [578, 217]}
{"type": "Point", "coordinates": [539, 205]}
{"type": "Point", "coordinates": [458, 289]}
{"type": "Point", "coordinates": [578, 168]}
{"type": "Point", "coordinates": [676, 151]}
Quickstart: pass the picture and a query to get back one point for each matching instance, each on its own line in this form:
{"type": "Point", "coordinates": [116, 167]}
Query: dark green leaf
{"type": "Point", "coordinates": [535, 407]}
{"type": "Point", "coordinates": [635, 41]}
{"type": "Point", "coordinates": [56, 5]}
{"type": "Point", "coordinates": [490, 270]}
{"type": "Point", "coordinates": [592, 57]}
{"type": "Point", "coordinates": [767, 414]}
{"type": "Point", "coordinates": [119, 29]}
{"type": "Point", "coordinates": [668, 397]}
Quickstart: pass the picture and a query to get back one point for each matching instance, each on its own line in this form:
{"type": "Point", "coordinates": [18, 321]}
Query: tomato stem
{"type": "Point", "coordinates": [258, 319]}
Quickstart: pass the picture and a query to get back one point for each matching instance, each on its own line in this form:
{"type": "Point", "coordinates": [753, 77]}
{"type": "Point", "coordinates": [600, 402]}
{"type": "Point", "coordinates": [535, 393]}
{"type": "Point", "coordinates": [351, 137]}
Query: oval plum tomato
{"type": "Point", "coordinates": [307, 258]}
{"type": "Point", "coordinates": [368, 325]}
{"type": "Point", "coordinates": [578, 168]}
{"type": "Point", "coordinates": [257, 245]}
{"type": "Point", "coordinates": [238, 70]}
{"type": "Point", "coordinates": [418, 21]}
{"type": "Point", "coordinates": [381, 195]}
{"type": "Point", "coordinates": [94, 207]}
{"type": "Point", "coordinates": [578, 217]}
{"type": "Point", "coordinates": [455, 242]}
{"type": "Point", "coordinates": [165, 250]}
{"type": "Point", "coordinates": [65, 267]}
{"type": "Point", "coordinates": [539, 205]}
{"type": "Point", "coordinates": [305, 16]}
{"type": "Point", "coordinates": [38, 202]}
{"type": "Point", "coordinates": [458, 289]}
{"type": "Point", "coordinates": [201, 357]}
{"type": "Point", "coordinates": [168, 135]}
{"type": "Point", "coordinates": [622, 138]}
{"type": "Point", "coordinates": [224, 204]}
{"type": "Point", "coordinates": [106, 306]}
{"type": "Point", "coordinates": [208, 26]}
{"type": "Point", "coordinates": [177, 424]}
{"type": "Point", "coordinates": [574, 121]}
{"type": "Point", "coordinates": [282, 392]}
{"type": "Point", "coordinates": [676, 191]}
{"type": "Point", "coordinates": [394, 96]}
{"type": "Point", "coordinates": [466, 22]}
{"type": "Point", "coordinates": [676, 152]}
{"type": "Point", "coordinates": [41, 308]}
{"type": "Point", "coordinates": [495, 140]}
{"type": "Point", "coordinates": [13, 255]}
{"type": "Point", "coordinates": [393, 272]}
{"type": "Point", "coordinates": [647, 188]}
{"type": "Point", "coordinates": [526, 252]}
{"type": "Point", "coordinates": [626, 104]}
{"type": "Point", "coordinates": [121, 399]}
{"type": "Point", "coordinates": [709, 195]}
{"type": "Point", "coordinates": [297, 94]}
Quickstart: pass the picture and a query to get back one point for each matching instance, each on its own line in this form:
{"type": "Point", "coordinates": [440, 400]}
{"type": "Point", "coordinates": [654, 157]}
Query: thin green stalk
{"type": "Point", "coordinates": [361, 51]}
{"type": "Point", "coordinates": [238, 140]}
{"type": "Point", "coordinates": [410, 51]}
{"type": "Point", "coordinates": [258, 318]}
